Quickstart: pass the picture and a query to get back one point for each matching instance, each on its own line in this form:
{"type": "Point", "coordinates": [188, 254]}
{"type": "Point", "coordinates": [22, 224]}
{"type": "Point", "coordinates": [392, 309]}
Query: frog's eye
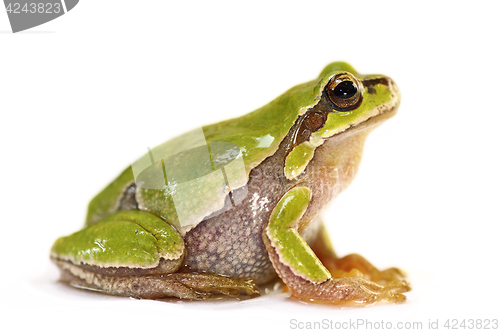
{"type": "Point", "coordinates": [344, 92]}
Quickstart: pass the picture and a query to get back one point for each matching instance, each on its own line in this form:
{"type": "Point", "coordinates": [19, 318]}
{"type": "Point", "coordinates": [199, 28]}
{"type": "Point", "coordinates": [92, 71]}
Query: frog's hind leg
{"type": "Point", "coordinates": [352, 264]}
{"type": "Point", "coordinates": [138, 286]}
{"type": "Point", "coordinates": [157, 286]}
{"type": "Point", "coordinates": [135, 253]}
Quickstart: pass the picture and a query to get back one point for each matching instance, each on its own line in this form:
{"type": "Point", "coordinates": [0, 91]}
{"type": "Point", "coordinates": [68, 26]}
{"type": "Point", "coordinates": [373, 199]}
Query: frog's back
{"type": "Point", "coordinates": [185, 179]}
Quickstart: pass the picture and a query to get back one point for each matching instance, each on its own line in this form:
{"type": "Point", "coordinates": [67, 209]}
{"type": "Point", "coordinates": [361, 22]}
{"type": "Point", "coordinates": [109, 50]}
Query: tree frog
{"type": "Point", "coordinates": [231, 206]}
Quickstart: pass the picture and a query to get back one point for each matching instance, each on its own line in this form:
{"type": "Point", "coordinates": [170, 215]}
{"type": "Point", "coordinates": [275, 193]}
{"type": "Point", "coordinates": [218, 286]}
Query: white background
{"type": "Point", "coordinates": [82, 97]}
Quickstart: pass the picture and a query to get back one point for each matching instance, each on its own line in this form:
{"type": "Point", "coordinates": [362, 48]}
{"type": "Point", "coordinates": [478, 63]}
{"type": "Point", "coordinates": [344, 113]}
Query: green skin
{"type": "Point", "coordinates": [134, 242]}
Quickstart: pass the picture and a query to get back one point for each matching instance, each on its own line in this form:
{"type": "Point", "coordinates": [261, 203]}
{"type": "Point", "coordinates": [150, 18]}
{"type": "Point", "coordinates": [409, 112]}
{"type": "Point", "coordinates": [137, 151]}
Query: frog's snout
{"type": "Point", "coordinates": [370, 83]}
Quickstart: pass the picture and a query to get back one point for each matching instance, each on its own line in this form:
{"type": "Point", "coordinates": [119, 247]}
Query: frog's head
{"type": "Point", "coordinates": [339, 101]}
{"type": "Point", "coordinates": [354, 101]}
{"type": "Point", "coordinates": [346, 105]}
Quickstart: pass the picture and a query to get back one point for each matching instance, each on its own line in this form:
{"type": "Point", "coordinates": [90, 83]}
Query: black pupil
{"type": "Point", "coordinates": [345, 89]}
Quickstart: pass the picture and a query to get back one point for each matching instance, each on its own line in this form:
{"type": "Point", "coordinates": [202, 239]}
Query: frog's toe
{"type": "Point", "coordinates": [208, 283]}
{"type": "Point", "coordinates": [388, 275]}
{"type": "Point", "coordinates": [356, 265]}
{"type": "Point", "coordinates": [400, 286]}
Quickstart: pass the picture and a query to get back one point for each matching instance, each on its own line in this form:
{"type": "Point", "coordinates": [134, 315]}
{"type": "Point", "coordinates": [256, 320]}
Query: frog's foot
{"type": "Point", "coordinates": [355, 262]}
{"type": "Point", "coordinates": [347, 290]}
{"type": "Point", "coordinates": [352, 264]}
{"type": "Point", "coordinates": [304, 273]}
{"type": "Point", "coordinates": [180, 285]}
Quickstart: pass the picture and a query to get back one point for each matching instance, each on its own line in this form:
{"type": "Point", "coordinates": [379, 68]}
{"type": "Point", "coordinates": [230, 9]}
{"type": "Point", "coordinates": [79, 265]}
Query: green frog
{"type": "Point", "coordinates": [228, 207]}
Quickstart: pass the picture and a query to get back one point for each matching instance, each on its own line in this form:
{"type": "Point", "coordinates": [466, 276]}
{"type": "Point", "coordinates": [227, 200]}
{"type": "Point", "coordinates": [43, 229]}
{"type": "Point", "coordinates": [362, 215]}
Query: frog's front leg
{"type": "Point", "coordinates": [352, 264]}
{"type": "Point", "coordinates": [137, 254]}
{"type": "Point", "coordinates": [302, 271]}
